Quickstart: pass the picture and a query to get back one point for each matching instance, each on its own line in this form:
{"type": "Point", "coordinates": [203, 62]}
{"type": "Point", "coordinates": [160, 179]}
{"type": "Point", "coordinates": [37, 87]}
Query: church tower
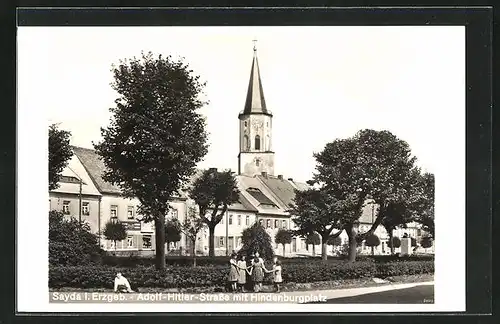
{"type": "Point", "coordinates": [256, 155]}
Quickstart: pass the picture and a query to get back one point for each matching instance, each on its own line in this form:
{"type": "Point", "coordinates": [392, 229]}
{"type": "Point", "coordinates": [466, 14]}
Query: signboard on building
{"type": "Point", "coordinates": [132, 226]}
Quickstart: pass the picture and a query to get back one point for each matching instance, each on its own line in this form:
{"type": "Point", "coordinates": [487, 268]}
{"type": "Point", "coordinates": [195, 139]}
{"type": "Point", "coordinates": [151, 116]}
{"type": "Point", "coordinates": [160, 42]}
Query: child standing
{"type": "Point", "coordinates": [233, 272]}
{"type": "Point", "coordinates": [242, 273]}
{"type": "Point", "coordinates": [277, 278]}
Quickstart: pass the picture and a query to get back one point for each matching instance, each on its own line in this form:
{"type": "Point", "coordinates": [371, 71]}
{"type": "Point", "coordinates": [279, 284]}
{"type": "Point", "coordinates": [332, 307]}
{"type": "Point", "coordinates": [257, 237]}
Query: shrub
{"type": "Point", "coordinates": [215, 276]}
{"type": "Point", "coordinates": [396, 241]}
{"type": "Point", "coordinates": [283, 237]}
{"type": "Point", "coordinates": [426, 242]}
{"type": "Point", "coordinates": [71, 242]}
{"type": "Point", "coordinates": [337, 241]}
{"type": "Point", "coordinates": [115, 231]}
{"type": "Point", "coordinates": [372, 240]}
{"type": "Point", "coordinates": [256, 239]}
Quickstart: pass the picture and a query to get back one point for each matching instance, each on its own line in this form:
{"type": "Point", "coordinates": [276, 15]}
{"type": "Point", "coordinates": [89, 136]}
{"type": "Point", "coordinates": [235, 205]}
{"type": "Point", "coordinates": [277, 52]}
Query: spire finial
{"type": "Point", "coordinates": [254, 45]}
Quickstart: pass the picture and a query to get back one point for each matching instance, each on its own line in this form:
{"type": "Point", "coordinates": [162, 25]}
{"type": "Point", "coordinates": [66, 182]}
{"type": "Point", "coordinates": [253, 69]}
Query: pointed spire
{"type": "Point", "coordinates": [255, 102]}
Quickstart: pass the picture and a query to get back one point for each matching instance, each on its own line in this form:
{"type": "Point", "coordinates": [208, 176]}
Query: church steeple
{"type": "Point", "coordinates": [255, 102]}
{"type": "Point", "coordinates": [256, 122]}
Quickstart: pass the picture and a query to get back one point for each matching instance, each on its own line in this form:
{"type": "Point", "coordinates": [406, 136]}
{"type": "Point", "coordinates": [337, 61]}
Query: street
{"type": "Point", "coordinates": [414, 295]}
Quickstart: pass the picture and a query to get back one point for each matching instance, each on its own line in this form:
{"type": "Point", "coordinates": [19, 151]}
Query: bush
{"type": "Point", "coordinates": [372, 240]}
{"type": "Point", "coordinates": [71, 243]}
{"type": "Point", "coordinates": [215, 276]}
{"type": "Point", "coordinates": [256, 239]}
{"type": "Point", "coordinates": [396, 241]}
{"type": "Point", "coordinates": [426, 242]}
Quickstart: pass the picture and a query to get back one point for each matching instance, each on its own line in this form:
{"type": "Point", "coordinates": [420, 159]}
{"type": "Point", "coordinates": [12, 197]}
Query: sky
{"type": "Point", "coordinates": [321, 83]}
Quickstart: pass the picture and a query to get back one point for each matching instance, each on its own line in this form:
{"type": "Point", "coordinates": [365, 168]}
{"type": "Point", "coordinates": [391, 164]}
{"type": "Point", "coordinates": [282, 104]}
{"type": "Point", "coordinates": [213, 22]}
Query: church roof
{"type": "Point", "coordinates": [255, 102]}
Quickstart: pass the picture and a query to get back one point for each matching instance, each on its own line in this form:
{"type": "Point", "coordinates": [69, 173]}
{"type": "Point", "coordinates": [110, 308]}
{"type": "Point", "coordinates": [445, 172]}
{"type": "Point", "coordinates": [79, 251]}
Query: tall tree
{"type": "Point", "coordinates": [316, 211]}
{"type": "Point", "coordinates": [172, 232]}
{"type": "Point", "coordinates": [371, 164]}
{"type": "Point", "coordinates": [256, 239]}
{"type": "Point", "coordinates": [425, 205]}
{"type": "Point", "coordinates": [191, 226]}
{"type": "Point", "coordinates": [213, 192]}
{"type": "Point", "coordinates": [156, 135]}
{"type": "Point", "coordinates": [60, 153]}
{"type": "Point", "coordinates": [283, 237]}
{"type": "Point", "coordinates": [115, 231]}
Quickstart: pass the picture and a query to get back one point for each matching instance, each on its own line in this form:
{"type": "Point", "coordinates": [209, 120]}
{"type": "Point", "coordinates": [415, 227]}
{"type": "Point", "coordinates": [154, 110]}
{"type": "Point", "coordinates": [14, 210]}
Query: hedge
{"type": "Point", "coordinates": [134, 261]}
{"type": "Point", "coordinates": [215, 276]}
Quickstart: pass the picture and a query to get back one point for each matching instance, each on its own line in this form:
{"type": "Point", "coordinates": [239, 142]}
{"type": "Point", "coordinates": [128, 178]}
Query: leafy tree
{"type": "Point", "coordinates": [370, 165]}
{"type": "Point", "coordinates": [256, 239]}
{"type": "Point", "coordinates": [172, 231]}
{"type": "Point", "coordinates": [316, 211]}
{"type": "Point", "coordinates": [191, 226]}
{"type": "Point", "coordinates": [425, 205]}
{"type": "Point", "coordinates": [71, 242]}
{"type": "Point", "coordinates": [394, 243]}
{"type": "Point", "coordinates": [426, 242]}
{"type": "Point", "coordinates": [283, 237]}
{"type": "Point", "coordinates": [314, 239]}
{"type": "Point", "coordinates": [213, 192]}
{"type": "Point", "coordinates": [156, 135]}
{"type": "Point", "coordinates": [334, 241]}
{"type": "Point", "coordinates": [60, 153]}
{"type": "Point", "coordinates": [413, 242]}
{"type": "Point", "coordinates": [372, 240]}
{"type": "Point", "coordinates": [115, 231]}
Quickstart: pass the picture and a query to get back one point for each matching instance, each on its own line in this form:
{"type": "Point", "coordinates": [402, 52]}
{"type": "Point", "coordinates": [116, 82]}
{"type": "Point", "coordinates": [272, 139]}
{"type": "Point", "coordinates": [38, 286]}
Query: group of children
{"type": "Point", "coordinates": [241, 272]}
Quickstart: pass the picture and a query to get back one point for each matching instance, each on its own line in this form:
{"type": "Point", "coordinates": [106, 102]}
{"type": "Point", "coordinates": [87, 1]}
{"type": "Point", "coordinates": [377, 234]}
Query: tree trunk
{"type": "Point", "coordinates": [373, 250]}
{"type": "Point", "coordinates": [283, 250]}
{"type": "Point", "coordinates": [211, 241]}
{"type": "Point", "coordinates": [194, 252]}
{"type": "Point", "coordinates": [314, 250]}
{"type": "Point", "coordinates": [168, 246]}
{"type": "Point", "coordinates": [351, 233]}
{"type": "Point", "coordinates": [160, 242]}
{"type": "Point", "coordinates": [391, 243]}
{"type": "Point", "coordinates": [324, 247]}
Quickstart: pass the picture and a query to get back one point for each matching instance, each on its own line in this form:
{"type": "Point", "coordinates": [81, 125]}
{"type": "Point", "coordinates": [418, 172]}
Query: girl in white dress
{"type": "Point", "coordinates": [277, 278]}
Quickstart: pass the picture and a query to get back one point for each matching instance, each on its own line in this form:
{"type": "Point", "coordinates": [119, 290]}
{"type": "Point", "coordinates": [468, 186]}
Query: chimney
{"type": "Point", "coordinates": [280, 176]}
{"type": "Point", "coordinates": [264, 174]}
{"type": "Point", "coordinates": [290, 179]}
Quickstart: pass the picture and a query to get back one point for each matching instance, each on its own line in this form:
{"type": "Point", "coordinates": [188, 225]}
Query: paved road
{"type": "Point", "coordinates": [414, 295]}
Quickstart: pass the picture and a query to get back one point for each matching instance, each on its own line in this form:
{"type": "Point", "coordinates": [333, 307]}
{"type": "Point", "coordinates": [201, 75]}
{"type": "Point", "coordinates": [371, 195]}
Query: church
{"type": "Point", "coordinates": [264, 195]}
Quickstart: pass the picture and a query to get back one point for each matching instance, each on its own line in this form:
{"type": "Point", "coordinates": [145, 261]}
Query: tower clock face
{"type": "Point", "coordinates": [257, 124]}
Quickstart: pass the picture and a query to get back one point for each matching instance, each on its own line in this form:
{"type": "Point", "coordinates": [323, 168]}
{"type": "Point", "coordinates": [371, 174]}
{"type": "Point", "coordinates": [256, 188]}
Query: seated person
{"type": "Point", "coordinates": [122, 284]}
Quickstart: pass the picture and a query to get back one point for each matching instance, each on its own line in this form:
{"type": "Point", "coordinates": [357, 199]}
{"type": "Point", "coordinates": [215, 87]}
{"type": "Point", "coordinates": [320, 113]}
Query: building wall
{"type": "Point", "coordinates": [141, 235]}
{"type": "Point", "coordinates": [252, 163]}
{"type": "Point", "coordinates": [57, 201]}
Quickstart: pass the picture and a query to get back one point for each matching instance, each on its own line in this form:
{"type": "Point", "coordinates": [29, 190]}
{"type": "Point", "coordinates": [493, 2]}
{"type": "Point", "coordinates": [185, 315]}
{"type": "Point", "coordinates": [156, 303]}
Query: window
{"type": "Point", "coordinates": [257, 142]}
{"type": "Point", "coordinates": [130, 242]}
{"type": "Point", "coordinates": [268, 223]}
{"type": "Point", "coordinates": [114, 212]}
{"type": "Point", "coordinates": [221, 241]}
{"type": "Point", "coordinates": [85, 208]}
{"type": "Point", "coordinates": [257, 162]}
{"type": "Point", "coordinates": [146, 241]}
{"type": "Point", "coordinates": [276, 223]}
{"type": "Point", "coordinates": [283, 224]}
{"type": "Point", "coordinates": [246, 123]}
{"type": "Point", "coordinates": [230, 222]}
{"type": "Point", "coordinates": [261, 222]}
{"type": "Point", "coordinates": [66, 207]}
{"type": "Point", "coordinates": [130, 212]}
{"type": "Point", "coordinates": [239, 220]}
{"type": "Point", "coordinates": [247, 220]}
{"type": "Point", "coordinates": [175, 213]}
{"type": "Point", "coordinates": [112, 244]}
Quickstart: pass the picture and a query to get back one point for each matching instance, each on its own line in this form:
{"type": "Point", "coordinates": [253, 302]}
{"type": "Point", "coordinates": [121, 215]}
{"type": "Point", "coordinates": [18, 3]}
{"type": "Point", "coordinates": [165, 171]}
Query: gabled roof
{"type": "Point", "coordinates": [259, 196]}
{"type": "Point", "coordinates": [72, 175]}
{"type": "Point", "coordinates": [255, 102]}
{"type": "Point", "coordinates": [96, 168]}
{"type": "Point", "coordinates": [281, 188]}
{"type": "Point", "coordinates": [242, 204]}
